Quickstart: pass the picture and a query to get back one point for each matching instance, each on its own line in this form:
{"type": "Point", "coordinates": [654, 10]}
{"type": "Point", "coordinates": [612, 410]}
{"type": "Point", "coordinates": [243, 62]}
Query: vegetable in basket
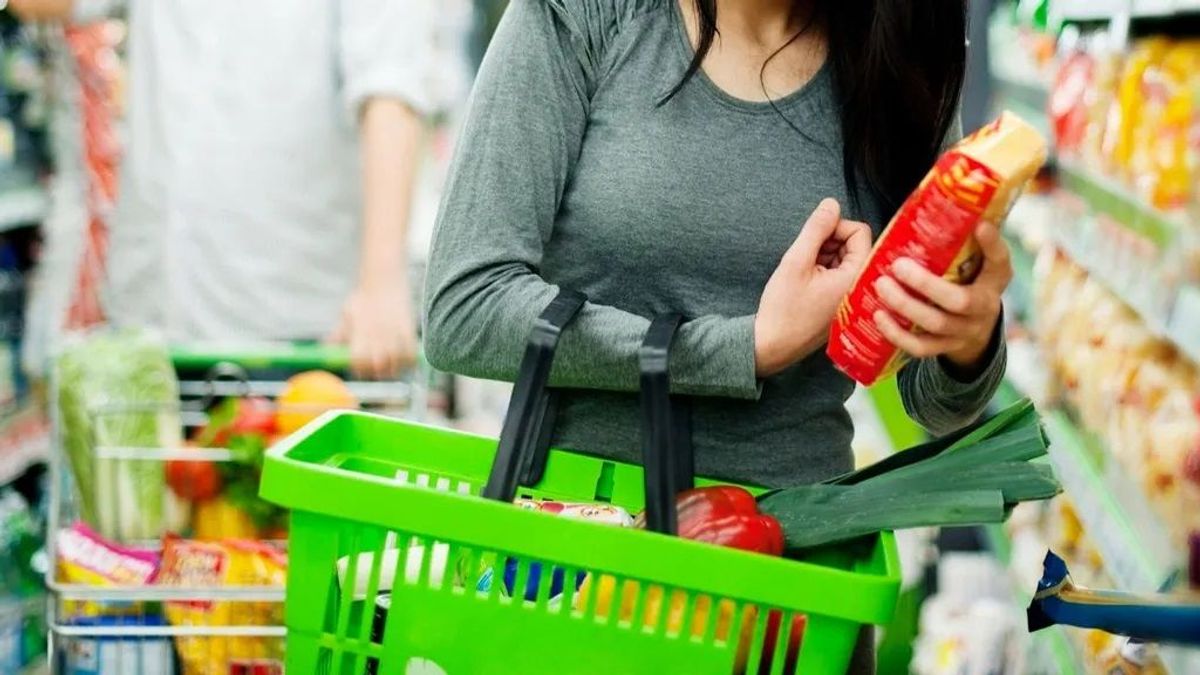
{"type": "Point", "coordinates": [975, 479]}
{"type": "Point", "coordinates": [117, 389]}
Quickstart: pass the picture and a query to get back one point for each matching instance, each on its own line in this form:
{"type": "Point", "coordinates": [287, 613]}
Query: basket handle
{"type": "Point", "coordinates": [668, 457]}
{"type": "Point", "coordinates": [525, 437]}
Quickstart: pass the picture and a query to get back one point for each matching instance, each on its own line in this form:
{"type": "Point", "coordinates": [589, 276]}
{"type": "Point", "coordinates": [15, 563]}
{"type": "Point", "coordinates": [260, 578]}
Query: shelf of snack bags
{"type": "Point", "coordinates": [1132, 482]}
{"type": "Point", "coordinates": [1057, 525]}
{"type": "Point", "coordinates": [163, 554]}
{"type": "Point", "coordinates": [1121, 113]}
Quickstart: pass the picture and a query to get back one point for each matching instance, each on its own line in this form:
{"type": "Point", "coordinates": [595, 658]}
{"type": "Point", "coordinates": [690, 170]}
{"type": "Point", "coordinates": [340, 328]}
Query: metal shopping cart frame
{"type": "Point", "coordinates": [229, 373]}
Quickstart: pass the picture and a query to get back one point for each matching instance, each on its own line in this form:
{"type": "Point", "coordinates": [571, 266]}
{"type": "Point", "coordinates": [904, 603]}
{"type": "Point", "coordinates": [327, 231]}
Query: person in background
{"type": "Point", "coordinates": [267, 175]}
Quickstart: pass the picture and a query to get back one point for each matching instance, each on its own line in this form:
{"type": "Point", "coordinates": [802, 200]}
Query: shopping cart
{"type": "Point", "coordinates": [390, 533]}
{"type": "Point", "coordinates": [152, 628]}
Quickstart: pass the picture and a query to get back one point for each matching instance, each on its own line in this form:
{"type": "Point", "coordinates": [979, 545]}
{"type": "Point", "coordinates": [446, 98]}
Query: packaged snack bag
{"type": "Point", "coordinates": [85, 557]}
{"type": "Point", "coordinates": [975, 181]}
{"type": "Point", "coordinates": [1125, 112]}
{"type": "Point", "coordinates": [1168, 171]}
{"type": "Point", "coordinates": [230, 563]}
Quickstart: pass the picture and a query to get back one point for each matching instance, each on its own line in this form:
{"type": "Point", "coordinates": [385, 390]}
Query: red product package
{"type": "Point", "coordinates": [975, 181]}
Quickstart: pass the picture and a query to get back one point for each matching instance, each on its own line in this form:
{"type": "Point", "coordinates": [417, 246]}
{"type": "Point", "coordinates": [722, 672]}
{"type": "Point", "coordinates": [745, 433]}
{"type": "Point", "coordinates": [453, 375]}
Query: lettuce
{"type": "Point", "coordinates": [117, 388]}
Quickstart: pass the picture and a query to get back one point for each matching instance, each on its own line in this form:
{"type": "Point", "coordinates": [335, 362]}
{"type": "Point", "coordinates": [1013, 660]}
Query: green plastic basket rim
{"type": "Point", "coordinates": [859, 596]}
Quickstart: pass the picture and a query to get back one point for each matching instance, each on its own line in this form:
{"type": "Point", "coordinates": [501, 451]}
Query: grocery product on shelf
{"type": "Point", "coordinates": [975, 181]}
{"type": "Point", "coordinates": [1135, 390]}
{"type": "Point", "coordinates": [969, 625]}
{"type": "Point", "coordinates": [22, 620]}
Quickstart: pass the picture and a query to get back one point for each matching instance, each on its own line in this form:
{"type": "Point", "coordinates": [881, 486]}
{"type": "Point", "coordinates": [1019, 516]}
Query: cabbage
{"type": "Point", "coordinates": [117, 388]}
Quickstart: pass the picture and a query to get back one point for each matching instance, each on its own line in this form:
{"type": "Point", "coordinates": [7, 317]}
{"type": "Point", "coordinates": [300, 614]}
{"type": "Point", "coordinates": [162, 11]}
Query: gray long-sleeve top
{"type": "Point", "coordinates": [568, 174]}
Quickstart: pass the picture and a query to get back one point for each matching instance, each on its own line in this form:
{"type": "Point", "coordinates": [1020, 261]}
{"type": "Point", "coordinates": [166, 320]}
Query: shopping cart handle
{"type": "Point", "coordinates": [292, 356]}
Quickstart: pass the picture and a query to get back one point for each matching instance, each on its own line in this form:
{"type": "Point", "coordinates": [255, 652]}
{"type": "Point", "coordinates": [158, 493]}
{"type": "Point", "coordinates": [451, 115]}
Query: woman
{"type": "Point", "coordinates": [659, 156]}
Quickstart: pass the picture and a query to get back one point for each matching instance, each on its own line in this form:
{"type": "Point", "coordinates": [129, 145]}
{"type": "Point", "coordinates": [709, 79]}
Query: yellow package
{"type": "Point", "coordinates": [213, 564]}
{"type": "Point", "coordinates": [1171, 173]}
{"type": "Point", "coordinates": [1126, 110]}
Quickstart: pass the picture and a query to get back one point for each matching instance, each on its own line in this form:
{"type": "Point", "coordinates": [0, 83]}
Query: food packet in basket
{"type": "Point", "coordinates": [213, 564]}
{"type": "Point", "coordinates": [974, 182]}
{"type": "Point", "coordinates": [84, 557]}
{"type": "Point", "coordinates": [605, 514]}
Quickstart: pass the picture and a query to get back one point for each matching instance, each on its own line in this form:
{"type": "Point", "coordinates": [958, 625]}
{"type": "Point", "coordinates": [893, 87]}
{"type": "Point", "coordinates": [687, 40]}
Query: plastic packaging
{"type": "Point", "coordinates": [975, 181]}
{"type": "Point", "coordinates": [231, 563]}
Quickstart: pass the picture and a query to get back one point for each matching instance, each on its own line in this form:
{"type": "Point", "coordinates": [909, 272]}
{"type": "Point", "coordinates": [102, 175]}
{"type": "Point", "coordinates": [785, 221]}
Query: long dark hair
{"type": "Point", "coordinates": [898, 68]}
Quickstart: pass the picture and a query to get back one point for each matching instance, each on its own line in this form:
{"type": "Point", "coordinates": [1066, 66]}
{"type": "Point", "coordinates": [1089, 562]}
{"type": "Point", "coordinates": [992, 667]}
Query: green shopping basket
{"type": "Point", "coordinates": [379, 502]}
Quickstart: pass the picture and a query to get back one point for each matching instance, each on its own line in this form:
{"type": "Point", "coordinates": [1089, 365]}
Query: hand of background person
{"type": "Point", "coordinates": [803, 294]}
{"type": "Point", "coordinates": [956, 322]}
{"type": "Point", "coordinates": [379, 327]}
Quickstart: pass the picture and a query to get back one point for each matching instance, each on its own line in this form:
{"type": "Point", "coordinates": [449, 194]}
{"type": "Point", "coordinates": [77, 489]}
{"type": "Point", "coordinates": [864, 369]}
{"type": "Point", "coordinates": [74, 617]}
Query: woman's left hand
{"type": "Point", "coordinates": [956, 322]}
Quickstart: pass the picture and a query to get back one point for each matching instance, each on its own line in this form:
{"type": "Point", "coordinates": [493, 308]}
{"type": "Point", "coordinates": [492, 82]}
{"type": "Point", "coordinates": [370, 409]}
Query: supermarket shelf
{"type": "Point", "coordinates": [24, 441]}
{"type": "Point", "coordinates": [1106, 196]}
{"type": "Point", "coordinates": [1052, 651]}
{"type": "Point", "coordinates": [22, 206]}
{"type": "Point", "coordinates": [1090, 10]}
{"type": "Point", "coordinates": [1105, 10]}
{"type": "Point", "coordinates": [1133, 542]}
{"type": "Point", "coordinates": [1026, 98]}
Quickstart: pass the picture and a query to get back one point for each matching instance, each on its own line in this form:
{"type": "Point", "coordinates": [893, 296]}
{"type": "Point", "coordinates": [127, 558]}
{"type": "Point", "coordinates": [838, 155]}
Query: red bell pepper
{"type": "Point", "coordinates": [727, 516]}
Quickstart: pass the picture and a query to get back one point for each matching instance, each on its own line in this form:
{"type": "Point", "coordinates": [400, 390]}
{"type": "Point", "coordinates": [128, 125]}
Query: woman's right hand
{"type": "Point", "coordinates": [803, 293]}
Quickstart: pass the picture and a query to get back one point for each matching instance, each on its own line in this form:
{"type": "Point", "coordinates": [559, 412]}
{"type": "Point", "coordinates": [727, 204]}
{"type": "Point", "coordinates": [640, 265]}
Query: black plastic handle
{"type": "Point", "coordinates": [667, 453]}
{"type": "Point", "coordinates": [525, 437]}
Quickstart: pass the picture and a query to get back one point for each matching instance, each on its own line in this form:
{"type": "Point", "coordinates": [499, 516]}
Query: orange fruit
{"type": "Point", "coordinates": [307, 395]}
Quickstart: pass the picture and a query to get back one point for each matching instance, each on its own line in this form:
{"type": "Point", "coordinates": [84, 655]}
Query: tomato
{"type": "Point", "coordinates": [192, 480]}
{"type": "Point", "coordinates": [255, 416]}
{"type": "Point", "coordinates": [238, 417]}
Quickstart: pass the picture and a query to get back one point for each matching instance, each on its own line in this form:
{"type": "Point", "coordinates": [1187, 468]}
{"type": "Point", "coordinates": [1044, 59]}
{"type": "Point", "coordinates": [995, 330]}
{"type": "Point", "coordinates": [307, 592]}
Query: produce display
{"type": "Point", "coordinates": [975, 181]}
{"type": "Point", "coordinates": [1133, 389]}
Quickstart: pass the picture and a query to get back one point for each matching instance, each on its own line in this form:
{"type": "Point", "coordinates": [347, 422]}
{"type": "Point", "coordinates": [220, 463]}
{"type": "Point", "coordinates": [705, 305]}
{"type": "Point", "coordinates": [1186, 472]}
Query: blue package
{"type": "Point", "coordinates": [535, 575]}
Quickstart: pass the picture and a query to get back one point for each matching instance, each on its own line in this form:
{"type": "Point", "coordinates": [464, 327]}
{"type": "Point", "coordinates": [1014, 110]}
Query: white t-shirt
{"type": "Point", "coordinates": [239, 208]}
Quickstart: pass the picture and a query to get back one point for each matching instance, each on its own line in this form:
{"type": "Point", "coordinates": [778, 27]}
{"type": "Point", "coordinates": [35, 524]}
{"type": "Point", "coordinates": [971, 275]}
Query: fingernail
{"type": "Point", "coordinates": [879, 317]}
{"type": "Point", "coordinates": [880, 284]}
{"type": "Point", "coordinates": [903, 266]}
